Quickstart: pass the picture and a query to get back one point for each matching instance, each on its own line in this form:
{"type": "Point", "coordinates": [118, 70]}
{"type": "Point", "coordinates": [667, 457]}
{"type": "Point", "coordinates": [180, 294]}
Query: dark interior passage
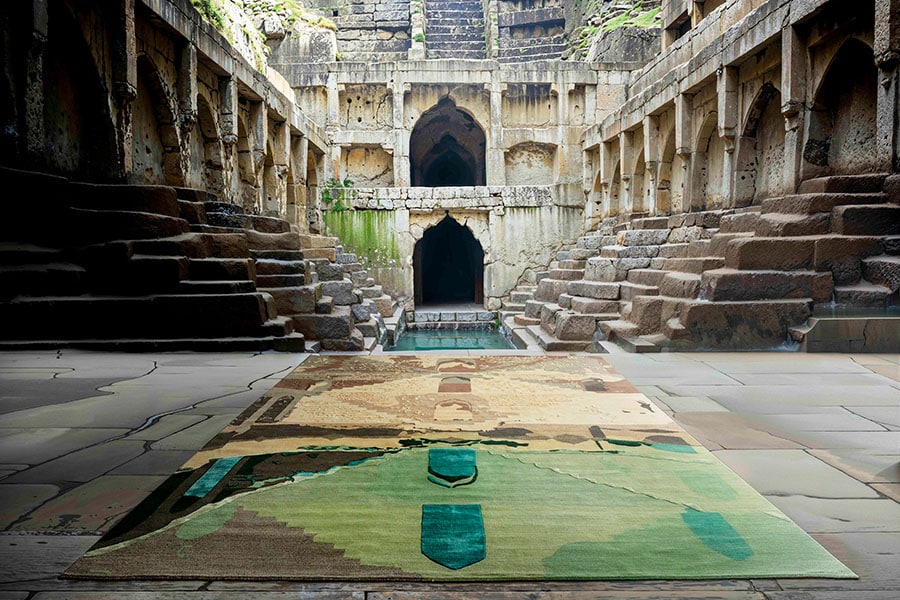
{"type": "Point", "coordinates": [448, 265]}
{"type": "Point", "coordinates": [447, 148]}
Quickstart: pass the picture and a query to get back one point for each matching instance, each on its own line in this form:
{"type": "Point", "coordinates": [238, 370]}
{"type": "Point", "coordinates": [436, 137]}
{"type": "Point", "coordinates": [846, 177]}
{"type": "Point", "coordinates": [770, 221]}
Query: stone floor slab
{"type": "Point", "coordinates": [154, 462]}
{"type": "Point", "coordinates": [886, 416]}
{"type": "Point", "coordinates": [22, 394]}
{"type": "Point", "coordinates": [890, 490]}
{"type": "Point", "coordinates": [92, 507]}
{"type": "Point", "coordinates": [864, 378]}
{"type": "Point", "coordinates": [200, 595]}
{"type": "Point", "coordinates": [872, 556]}
{"type": "Point", "coordinates": [194, 437]}
{"type": "Point", "coordinates": [830, 421]}
{"type": "Point", "coordinates": [18, 499]}
{"type": "Point", "coordinates": [83, 465]}
{"type": "Point", "coordinates": [37, 445]}
{"type": "Point", "coordinates": [166, 426]}
{"type": "Point", "coordinates": [868, 466]}
{"type": "Point", "coordinates": [28, 558]}
{"type": "Point", "coordinates": [775, 399]}
{"type": "Point", "coordinates": [818, 515]}
{"type": "Point", "coordinates": [731, 431]}
{"type": "Point", "coordinates": [879, 441]}
{"type": "Point", "coordinates": [682, 404]}
{"type": "Point", "coordinates": [792, 472]}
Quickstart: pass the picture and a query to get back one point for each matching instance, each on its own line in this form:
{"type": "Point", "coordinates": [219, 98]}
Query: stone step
{"type": "Point", "coordinates": [677, 284]}
{"type": "Point", "coordinates": [268, 266]}
{"type": "Point", "coordinates": [517, 307]}
{"type": "Point", "coordinates": [172, 316]}
{"type": "Point", "coordinates": [792, 225]}
{"type": "Point", "coordinates": [862, 219]}
{"type": "Point", "coordinates": [882, 270]}
{"type": "Point", "coordinates": [629, 291]}
{"type": "Point", "coordinates": [750, 324]}
{"type": "Point", "coordinates": [324, 253]}
{"type": "Point", "coordinates": [329, 271]}
{"type": "Point", "coordinates": [280, 255]}
{"type": "Point", "coordinates": [280, 280]}
{"type": "Point", "coordinates": [536, 52]}
{"type": "Point", "coordinates": [739, 222]}
{"type": "Point", "coordinates": [617, 251]}
{"type": "Point", "coordinates": [258, 240]}
{"type": "Point", "coordinates": [293, 342]}
{"type": "Point", "coordinates": [192, 212]}
{"type": "Point", "coordinates": [600, 290]}
{"type": "Point", "coordinates": [571, 264]}
{"type": "Point", "coordinates": [290, 300]}
{"type": "Point", "coordinates": [650, 223]}
{"type": "Point", "coordinates": [229, 220]}
{"type": "Point", "coordinates": [582, 253]}
{"type": "Point", "coordinates": [204, 228]}
{"type": "Point", "coordinates": [694, 265]}
{"type": "Point", "coordinates": [567, 274]}
{"type": "Point", "coordinates": [324, 305]}
{"type": "Point", "coordinates": [93, 226]}
{"type": "Point", "coordinates": [613, 269]}
{"type": "Point", "coordinates": [863, 294]}
{"type": "Point", "coordinates": [222, 268]}
{"type": "Point", "coordinates": [374, 291]}
{"type": "Point", "coordinates": [593, 306]}
{"type": "Point", "coordinates": [49, 279]}
{"type": "Point", "coordinates": [783, 254]}
{"type": "Point", "coordinates": [719, 242]}
{"type": "Point", "coordinates": [594, 242]}
{"type": "Point", "coordinates": [152, 199]}
{"type": "Point", "coordinates": [551, 343]}
{"type": "Point", "coordinates": [520, 319]}
{"type": "Point", "coordinates": [550, 289]}
{"type": "Point", "coordinates": [266, 224]}
{"type": "Point", "coordinates": [733, 285]}
{"type": "Point", "coordinates": [25, 254]}
{"type": "Point", "coordinates": [854, 184]}
{"type": "Point", "coordinates": [318, 241]}
{"type": "Point", "coordinates": [533, 308]}
{"type": "Point", "coordinates": [647, 277]}
{"type": "Point", "coordinates": [519, 297]}
{"type": "Point", "coordinates": [384, 305]}
{"type": "Point", "coordinates": [337, 324]}
{"type": "Point", "coordinates": [369, 329]}
{"type": "Point", "coordinates": [343, 291]}
{"type": "Point", "coordinates": [642, 237]}
{"type": "Point", "coordinates": [697, 249]}
{"type": "Point", "coordinates": [228, 286]}
{"type": "Point", "coordinates": [807, 204]}
{"type": "Point", "coordinates": [140, 274]}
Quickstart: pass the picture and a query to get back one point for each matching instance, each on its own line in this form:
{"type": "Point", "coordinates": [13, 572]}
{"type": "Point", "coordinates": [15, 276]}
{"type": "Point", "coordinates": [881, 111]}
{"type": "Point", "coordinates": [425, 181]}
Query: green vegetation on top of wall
{"type": "Point", "coordinates": [211, 11]}
{"type": "Point", "coordinates": [366, 233]}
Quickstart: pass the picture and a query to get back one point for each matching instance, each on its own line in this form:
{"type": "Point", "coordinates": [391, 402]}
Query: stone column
{"type": "Point", "coordinates": [793, 107]}
{"type": "Point", "coordinates": [332, 164]}
{"type": "Point", "coordinates": [495, 161]}
{"type": "Point", "coordinates": [626, 150]}
{"type": "Point", "coordinates": [402, 177]}
{"type": "Point", "coordinates": [187, 87]}
{"type": "Point", "coordinates": [652, 151]}
{"type": "Point", "coordinates": [562, 119]}
{"type": "Point", "coordinates": [728, 118]}
{"type": "Point", "coordinates": [300, 157]}
{"type": "Point", "coordinates": [684, 145]}
{"type": "Point", "coordinates": [228, 130]}
{"type": "Point", "coordinates": [887, 57]}
{"type": "Point", "coordinates": [34, 83]}
{"type": "Point", "coordinates": [123, 63]}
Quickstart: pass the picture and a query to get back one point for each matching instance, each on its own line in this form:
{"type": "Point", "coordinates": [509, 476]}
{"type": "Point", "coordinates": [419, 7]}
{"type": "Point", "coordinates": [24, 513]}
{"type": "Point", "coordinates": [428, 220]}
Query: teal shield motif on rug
{"type": "Point", "coordinates": [452, 467]}
{"type": "Point", "coordinates": [453, 534]}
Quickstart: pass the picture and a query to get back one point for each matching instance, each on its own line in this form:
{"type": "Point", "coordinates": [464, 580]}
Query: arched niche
{"type": "Point", "coordinates": [841, 137]}
{"type": "Point", "coordinates": [79, 131]}
{"type": "Point", "coordinates": [156, 149]}
{"type": "Point", "coordinates": [447, 148]}
{"type": "Point", "coordinates": [448, 265]}
{"type": "Point", "coordinates": [760, 154]}
{"type": "Point", "coordinates": [211, 153]}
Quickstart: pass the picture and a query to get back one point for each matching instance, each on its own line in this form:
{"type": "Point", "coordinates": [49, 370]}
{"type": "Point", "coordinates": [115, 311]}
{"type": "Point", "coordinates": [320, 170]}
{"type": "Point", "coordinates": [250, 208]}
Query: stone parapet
{"type": "Point", "coordinates": [472, 198]}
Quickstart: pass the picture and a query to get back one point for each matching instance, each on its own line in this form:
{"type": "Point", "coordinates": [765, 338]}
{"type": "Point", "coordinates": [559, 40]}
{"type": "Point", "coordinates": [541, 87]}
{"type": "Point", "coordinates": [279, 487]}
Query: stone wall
{"type": "Point", "coordinates": [517, 227]}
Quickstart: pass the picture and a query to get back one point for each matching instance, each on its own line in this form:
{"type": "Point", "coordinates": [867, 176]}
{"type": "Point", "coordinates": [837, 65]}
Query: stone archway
{"type": "Point", "coordinates": [447, 148]}
{"type": "Point", "coordinates": [448, 265]}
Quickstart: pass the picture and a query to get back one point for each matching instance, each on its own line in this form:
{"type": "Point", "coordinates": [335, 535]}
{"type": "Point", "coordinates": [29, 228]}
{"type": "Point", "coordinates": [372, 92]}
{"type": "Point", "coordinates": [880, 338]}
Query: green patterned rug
{"type": "Point", "coordinates": [448, 469]}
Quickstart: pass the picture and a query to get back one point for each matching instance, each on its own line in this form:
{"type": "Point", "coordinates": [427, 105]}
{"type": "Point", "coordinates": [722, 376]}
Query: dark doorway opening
{"type": "Point", "coordinates": [448, 266]}
{"type": "Point", "coordinates": [447, 148]}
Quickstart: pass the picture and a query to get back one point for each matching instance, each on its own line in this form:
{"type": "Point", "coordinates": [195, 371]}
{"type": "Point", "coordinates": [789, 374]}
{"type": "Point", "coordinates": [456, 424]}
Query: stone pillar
{"type": "Point", "coordinates": [728, 119]}
{"type": "Point", "coordinates": [402, 176]}
{"type": "Point", "coordinates": [887, 57]}
{"type": "Point", "coordinates": [228, 130]}
{"type": "Point", "coordinates": [34, 83]}
{"type": "Point", "coordinates": [793, 107]}
{"type": "Point", "coordinates": [123, 68]}
{"type": "Point", "coordinates": [652, 149]}
{"type": "Point", "coordinates": [332, 120]}
{"type": "Point", "coordinates": [260, 134]}
{"type": "Point", "coordinates": [187, 87]}
{"type": "Point", "coordinates": [495, 161]}
{"type": "Point", "coordinates": [626, 150]}
{"type": "Point", "coordinates": [300, 157]}
{"type": "Point", "coordinates": [332, 164]}
{"type": "Point", "coordinates": [684, 146]}
{"type": "Point", "coordinates": [562, 118]}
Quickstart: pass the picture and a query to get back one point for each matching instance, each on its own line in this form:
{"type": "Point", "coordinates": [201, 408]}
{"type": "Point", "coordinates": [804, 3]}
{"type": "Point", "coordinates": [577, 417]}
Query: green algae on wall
{"type": "Point", "coordinates": [367, 233]}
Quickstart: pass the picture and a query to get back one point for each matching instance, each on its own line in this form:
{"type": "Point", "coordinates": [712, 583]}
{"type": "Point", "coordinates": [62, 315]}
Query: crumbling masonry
{"type": "Point", "coordinates": [687, 174]}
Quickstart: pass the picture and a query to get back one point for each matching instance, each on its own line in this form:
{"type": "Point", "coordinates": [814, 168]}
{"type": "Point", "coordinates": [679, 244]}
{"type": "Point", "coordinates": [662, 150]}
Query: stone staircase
{"type": "Point", "coordinates": [372, 32]}
{"type": "Point", "coordinates": [455, 29]}
{"type": "Point", "coordinates": [766, 269]}
{"type": "Point", "coordinates": [155, 267]}
{"type": "Point", "coordinates": [530, 34]}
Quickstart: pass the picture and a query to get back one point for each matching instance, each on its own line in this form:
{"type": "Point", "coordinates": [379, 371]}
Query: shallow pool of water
{"type": "Point", "coordinates": [451, 339]}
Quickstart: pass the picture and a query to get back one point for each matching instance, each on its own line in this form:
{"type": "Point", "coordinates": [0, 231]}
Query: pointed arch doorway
{"type": "Point", "coordinates": [448, 266]}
